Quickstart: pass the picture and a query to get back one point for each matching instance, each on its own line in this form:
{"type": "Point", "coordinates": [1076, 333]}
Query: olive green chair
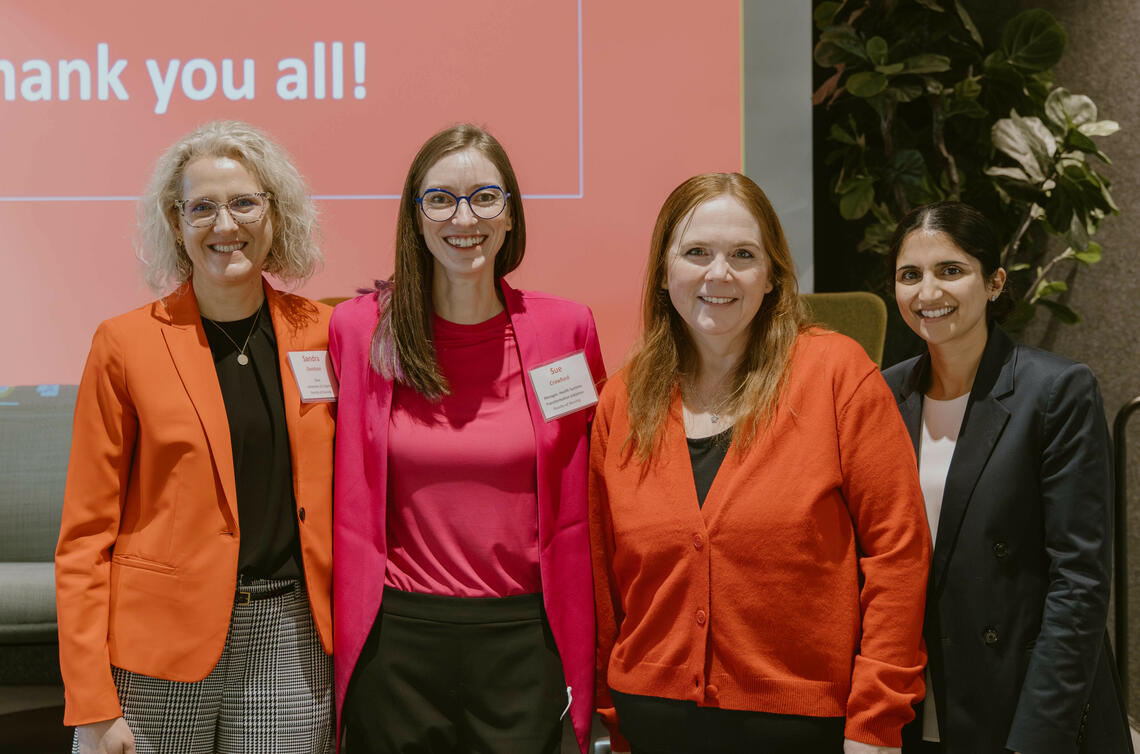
{"type": "Point", "coordinates": [859, 315]}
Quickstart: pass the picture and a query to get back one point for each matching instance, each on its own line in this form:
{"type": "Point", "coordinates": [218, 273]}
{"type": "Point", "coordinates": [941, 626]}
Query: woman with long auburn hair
{"type": "Point", "coordinates": [760, 552]}
{"type": "Point", "coordinates": [462, 574]}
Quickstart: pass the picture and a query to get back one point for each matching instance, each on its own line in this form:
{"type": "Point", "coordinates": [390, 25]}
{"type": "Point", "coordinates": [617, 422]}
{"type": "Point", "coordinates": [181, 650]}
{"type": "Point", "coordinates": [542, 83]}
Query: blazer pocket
{"type": "Point", "coordinates": [134, 561]}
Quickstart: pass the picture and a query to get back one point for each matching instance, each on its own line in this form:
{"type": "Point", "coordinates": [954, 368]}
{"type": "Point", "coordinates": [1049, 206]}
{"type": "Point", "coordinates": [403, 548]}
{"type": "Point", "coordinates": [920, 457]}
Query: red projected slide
{"type": "Point", "coordinates": [603, 110]}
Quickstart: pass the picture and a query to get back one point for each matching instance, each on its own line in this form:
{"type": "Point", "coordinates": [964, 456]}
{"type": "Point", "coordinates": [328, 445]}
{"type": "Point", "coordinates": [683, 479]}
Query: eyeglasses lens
{"type": "Point", "coordinates": [243, 209]}
{"type": "Point", "coordinates": [486, 203]}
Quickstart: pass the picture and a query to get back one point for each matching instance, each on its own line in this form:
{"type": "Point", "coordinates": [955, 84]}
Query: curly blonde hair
{"type": "Point", "coordinates": [294, 255]}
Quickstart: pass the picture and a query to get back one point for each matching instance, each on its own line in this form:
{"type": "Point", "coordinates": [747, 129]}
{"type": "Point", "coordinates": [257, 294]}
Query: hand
{"type": "Point", "coordinates": [857, 747]}
{"type": "Point", "coordinates": [106, 737]}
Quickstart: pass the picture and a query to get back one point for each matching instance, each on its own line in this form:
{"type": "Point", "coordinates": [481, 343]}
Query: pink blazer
{"type": "Point", "coordinates": [546, 328]}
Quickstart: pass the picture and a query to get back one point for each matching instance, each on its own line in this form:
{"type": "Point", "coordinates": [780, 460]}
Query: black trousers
{"type": "Point", "coordinates": [453, 675]}
{"type": "Point", "coordinates": [654, 725]}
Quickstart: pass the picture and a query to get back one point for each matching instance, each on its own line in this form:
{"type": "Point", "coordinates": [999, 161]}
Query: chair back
{"type": "Point", "coordinates": [860, 315]}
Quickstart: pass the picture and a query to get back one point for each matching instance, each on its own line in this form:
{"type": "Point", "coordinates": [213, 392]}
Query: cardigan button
{"type": "Point", "coordinates": [701, 617]}
{"type": "Point", "coordinates": [301, 514]}
{"type": "Point", "coordinates": [711, 691]}
{"type": "Point", "coordinates": [1001, 549]}
{"type": "Point", "coordinates": [698, 541]}
{"type": "Point", "coordinates": [990, 637]}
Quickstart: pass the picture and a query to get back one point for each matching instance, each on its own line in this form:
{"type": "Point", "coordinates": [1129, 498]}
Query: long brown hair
{"type": "Point", "coordinates": [402, 347]}
{"type": "Point", "coordinates": [666, 353]}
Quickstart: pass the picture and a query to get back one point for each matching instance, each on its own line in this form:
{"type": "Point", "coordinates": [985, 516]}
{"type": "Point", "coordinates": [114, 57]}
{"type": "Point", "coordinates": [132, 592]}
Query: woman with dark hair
{"type": "Point", "coordinates": [1016, 471]}
{"type": "Point", "coordinates": [464, 616]}
{"type": "Point", "coordinates": [760, 554]}
{"type": "Point", "coordinates": [193, 571]}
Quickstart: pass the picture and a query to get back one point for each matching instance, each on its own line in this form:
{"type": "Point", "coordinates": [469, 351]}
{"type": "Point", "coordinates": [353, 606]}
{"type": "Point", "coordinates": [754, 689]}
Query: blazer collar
{"type": "Point", "coordinates": [190, 351]}
{"type": "Point", "coordinates": [982, 425]}
{"type": "Point", "coordinates": [531, 354]}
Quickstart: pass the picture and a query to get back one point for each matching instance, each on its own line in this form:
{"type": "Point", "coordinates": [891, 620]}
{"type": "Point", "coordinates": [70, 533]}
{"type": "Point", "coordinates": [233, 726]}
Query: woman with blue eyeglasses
{"type": "Point", "coordinates": [465, 619]}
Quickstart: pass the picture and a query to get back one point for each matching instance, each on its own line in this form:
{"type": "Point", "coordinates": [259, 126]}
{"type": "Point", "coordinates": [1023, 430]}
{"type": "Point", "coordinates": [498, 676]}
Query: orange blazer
{"type": "Point", "coordinates": [146, 565]}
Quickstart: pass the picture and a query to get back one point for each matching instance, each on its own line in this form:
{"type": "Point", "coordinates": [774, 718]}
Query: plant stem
{"type": "Point", "coordinates": [938, 122]}
{"type": "Point", "coordinates": [1031, 294]}
{"type": "Point", "coordinates": [1011, 249]}
{"type": "Point", "coordinates": [886, 125]}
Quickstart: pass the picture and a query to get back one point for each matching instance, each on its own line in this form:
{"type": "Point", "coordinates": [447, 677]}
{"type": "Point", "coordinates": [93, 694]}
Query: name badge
{"type": "Point", "coordinates": [564, 386]}
{"type": "Point", "coordinates": [314, 376]}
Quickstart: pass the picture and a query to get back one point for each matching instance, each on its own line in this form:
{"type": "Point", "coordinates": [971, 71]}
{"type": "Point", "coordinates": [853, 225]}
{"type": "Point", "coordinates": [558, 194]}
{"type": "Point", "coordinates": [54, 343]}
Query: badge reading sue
{"type": "Point", "coordinates": [564, 386]}
{"type": "Point", "coordinates": [314, 376]}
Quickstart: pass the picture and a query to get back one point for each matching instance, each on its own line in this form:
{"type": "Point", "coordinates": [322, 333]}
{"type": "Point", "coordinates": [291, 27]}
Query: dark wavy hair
{"type": "Point", "coordinates": [970, 231]}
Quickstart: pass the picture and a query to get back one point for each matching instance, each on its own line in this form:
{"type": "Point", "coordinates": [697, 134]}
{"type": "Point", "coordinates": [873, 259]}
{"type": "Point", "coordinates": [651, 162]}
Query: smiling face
{"type": "Point", "coordinates": [717, 272]}
{"type": "Point", "coordinates": [942, 291]}
{"type": "Point", "coordinates": [226, 257]}
{"type": "Point", "coordinates": [464, 246]}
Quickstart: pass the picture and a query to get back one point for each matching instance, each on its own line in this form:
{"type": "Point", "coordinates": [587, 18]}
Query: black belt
{"type": "Point", "coordinates": [242, 597]}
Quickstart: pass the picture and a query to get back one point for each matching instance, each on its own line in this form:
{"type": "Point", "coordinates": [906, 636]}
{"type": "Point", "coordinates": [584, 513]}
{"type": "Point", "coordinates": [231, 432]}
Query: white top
{"type": "Point", "coordinates": [941, 422]}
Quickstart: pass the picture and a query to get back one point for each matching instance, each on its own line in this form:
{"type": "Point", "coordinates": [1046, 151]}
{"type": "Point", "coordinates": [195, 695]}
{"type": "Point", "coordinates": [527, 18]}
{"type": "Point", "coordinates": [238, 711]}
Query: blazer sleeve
{"type": "Point", "coordinates": [884, 498]}
{"type": "Point", "coordinates": [607, 599]}
{"type": "Point", "coordinates": [98, 473]}
{"type": "Point", "coordinates": [1076, 501]}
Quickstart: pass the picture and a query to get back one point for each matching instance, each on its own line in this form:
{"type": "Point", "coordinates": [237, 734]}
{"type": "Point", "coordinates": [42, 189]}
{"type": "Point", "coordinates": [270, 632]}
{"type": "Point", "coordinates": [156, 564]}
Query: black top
{"type": "Point", "coordinates": [707, 454]}
{"type": "Point", "coordinates": [270, 542]}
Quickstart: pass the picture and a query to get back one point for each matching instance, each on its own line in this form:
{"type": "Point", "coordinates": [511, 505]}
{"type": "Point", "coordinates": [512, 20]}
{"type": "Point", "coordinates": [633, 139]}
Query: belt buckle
{"type": "Point", "coordinates": [242, 598]}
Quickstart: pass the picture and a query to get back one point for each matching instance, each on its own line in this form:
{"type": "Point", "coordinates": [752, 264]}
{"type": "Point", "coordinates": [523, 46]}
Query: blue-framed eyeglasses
{"type": "Point", "coordinates": [440, 205]}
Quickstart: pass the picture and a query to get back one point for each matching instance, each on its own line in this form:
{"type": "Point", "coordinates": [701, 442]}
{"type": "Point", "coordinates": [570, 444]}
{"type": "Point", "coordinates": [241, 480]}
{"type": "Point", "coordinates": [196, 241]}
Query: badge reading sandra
{"type": "Point", "coordinates": [315, 379]}
{"type": "Point", "coordinates": [564, 386]}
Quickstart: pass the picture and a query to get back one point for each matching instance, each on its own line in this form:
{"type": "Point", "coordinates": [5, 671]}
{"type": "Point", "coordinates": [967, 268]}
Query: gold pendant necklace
{"type": "Point", "coordinates": [241, 357]}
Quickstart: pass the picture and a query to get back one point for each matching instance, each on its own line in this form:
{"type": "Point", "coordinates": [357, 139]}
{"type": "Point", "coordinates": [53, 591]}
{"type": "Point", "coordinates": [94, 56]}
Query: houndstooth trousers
{"type": "Point", "coordinates": [270, 693]}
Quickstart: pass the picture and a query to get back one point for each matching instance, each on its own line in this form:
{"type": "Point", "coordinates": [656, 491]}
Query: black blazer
{"type": "Point", "coordinates": [1019, 583]}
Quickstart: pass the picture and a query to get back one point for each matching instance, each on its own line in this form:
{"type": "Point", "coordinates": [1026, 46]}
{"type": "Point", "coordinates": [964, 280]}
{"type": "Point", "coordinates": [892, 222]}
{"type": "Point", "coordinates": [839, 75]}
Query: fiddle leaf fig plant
{"type": "Point", "coordinates": [922, 104]}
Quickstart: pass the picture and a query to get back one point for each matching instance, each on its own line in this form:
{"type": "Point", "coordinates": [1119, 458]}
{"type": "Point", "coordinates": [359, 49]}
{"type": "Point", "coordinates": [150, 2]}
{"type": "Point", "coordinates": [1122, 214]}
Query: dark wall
{"type": "Point", "coordinates": [1101, 60]}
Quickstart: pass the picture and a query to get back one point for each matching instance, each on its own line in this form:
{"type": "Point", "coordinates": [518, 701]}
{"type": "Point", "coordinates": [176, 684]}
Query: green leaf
{"type": "Point", "coordinates": [1027, 141]}
{"type": "Point", "coordinates": [932, 5]}
{"type": "Point", "coordinates": [968, 23]}
{"type": "Point", "coordinates": [824, 14]}
{"type": "Point", "coordinates": [877, 50]}
{"type": "Point", "coordinates": [1021, 316]}
{"type": "Point", "coordinates": [866, 84]}
{"type": "Point", "coordinates": [1018, 267]}
{"type": "Point", "coordinates": [890, 70]}
{"type": "Point", "coordinates": [904, 93]}
{"type": "Point", "coordinates": [926, 63]}
{"type": "Point", "coordinates": [828, 55]}
{"type": "Point", "coordinates": [968, 88]}
{"type": "Point", "coordinates": [1100, 128]}
{"type": "Point", "coordinates": [1067, 109]}
{"type": "Point", "coordinates": [1078, 140]}
{"type": "Point", "coordinates": [907, 167]}
{"type": "Point", "coordinates": [1060, 311]}
{"type": "Point", "coordinates": [1091, 255]}
{"type": "Point", "coordinates": [1013, 174]}
{"type": "Point", "coordinates": [1033, 40]}
{"type": "Point", "coordinates": [838, 134]}
{"type": "Point", "coordinates": [856, 202]}
{"type": "Point", "coordinates": [845, 38]}
{"type": "Point", "coordinates": [1048, 288]}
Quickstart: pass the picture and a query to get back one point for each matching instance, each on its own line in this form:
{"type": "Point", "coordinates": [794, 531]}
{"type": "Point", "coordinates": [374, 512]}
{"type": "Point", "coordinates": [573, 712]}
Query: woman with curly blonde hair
{"type": "Point", "coordinates": [193, 571]}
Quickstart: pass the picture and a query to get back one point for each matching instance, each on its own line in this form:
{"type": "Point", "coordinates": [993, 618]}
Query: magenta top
{"type": "Point", "coordinates": [462, 507]}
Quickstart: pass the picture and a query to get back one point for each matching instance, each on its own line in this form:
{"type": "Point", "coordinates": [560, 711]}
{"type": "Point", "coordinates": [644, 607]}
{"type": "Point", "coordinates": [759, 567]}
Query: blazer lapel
{"type": "Point", "coordinates": [289, 329]}
{"type": "Point", "coordinates": [186, 340]}
{"type": "Point", "coordinates": [982, 425]}
{"type": "Point", "coordinates": [910, 400]}
{"type": "Point", "coordinates": [530, 355]}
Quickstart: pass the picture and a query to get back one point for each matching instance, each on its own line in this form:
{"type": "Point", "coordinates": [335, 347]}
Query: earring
{"type": "Point", "coordinates": [995, 296]}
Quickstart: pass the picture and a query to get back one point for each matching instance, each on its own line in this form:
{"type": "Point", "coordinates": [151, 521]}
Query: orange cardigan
{"type": "Point", "coordinates": [799, 587]}
{"type": "Point", "coordinates": [146, 565]}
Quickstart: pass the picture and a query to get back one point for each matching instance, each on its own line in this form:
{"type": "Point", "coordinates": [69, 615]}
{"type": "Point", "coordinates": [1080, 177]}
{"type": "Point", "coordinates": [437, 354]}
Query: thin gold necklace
{"type": "Point", "coordinates": [241, 357]}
